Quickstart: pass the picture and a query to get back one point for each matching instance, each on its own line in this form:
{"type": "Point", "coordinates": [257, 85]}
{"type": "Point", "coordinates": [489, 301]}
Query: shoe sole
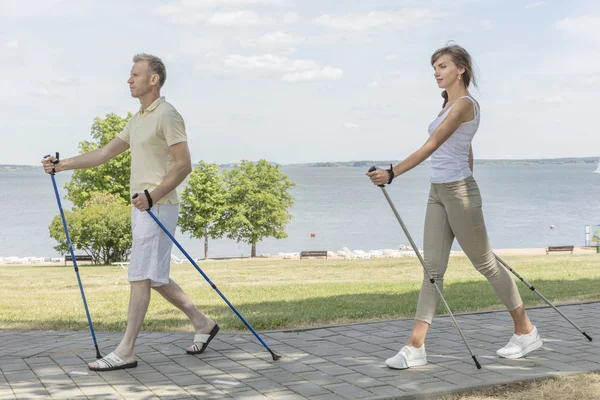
{"type": "Point", "coordinates": [115, 368]}
{"type": "Point", "coordinates": [534, 346]}
{"type": "Point", "coordinates": [412, 364]}
{"type": "Point", "coordinates": [213, 333]}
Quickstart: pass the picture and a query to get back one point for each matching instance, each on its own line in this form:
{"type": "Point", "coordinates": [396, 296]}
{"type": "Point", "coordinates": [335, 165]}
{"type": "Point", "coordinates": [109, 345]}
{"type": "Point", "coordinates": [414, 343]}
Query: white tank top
{"type": "Point", "coordinates": [450, 162]}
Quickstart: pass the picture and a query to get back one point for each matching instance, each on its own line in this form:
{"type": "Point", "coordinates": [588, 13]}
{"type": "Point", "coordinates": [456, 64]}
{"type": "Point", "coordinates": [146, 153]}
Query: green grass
{"type": "Point", "coordinates": [275, 294]}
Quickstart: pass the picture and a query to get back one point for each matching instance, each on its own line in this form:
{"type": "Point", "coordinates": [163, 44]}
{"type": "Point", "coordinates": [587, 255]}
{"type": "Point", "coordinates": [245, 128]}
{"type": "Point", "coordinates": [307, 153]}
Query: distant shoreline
{"type": "Point", "coordinates": [555, 161]}
{"type": "Point", "coordinates": [365, 163]}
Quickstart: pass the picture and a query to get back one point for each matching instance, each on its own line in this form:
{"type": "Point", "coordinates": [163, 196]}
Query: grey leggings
{"type": "Point", "coordinates": [454, 210]}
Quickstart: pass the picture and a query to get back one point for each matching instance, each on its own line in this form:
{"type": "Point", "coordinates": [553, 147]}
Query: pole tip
{"type": "Point", "coordinates": [587, 336]}
{"type": "Point", "coordinates": [476, 362]}
{"type": "Point", "coordinates": [274, 355]}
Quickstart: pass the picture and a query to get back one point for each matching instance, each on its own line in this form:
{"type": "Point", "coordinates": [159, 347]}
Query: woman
{"type": "Point", "coordinates": [454, 209]}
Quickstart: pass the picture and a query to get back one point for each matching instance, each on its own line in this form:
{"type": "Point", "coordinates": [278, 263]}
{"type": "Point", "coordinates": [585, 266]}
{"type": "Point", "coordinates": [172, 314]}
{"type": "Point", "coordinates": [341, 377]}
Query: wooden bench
{"type": "Point", "coordinates": [560, 248]}
{"type": "Point", "coordinates": [78, 257]}
{"type": "Point", "coordinates": [316, 253]}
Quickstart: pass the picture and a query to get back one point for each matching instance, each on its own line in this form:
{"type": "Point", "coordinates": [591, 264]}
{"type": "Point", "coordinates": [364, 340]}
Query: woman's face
{"type": "Point", "coordinates": [446, 73]}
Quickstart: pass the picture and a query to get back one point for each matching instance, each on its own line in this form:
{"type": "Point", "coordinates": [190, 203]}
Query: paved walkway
{"type": "Point", "coordinates": [341, 362]}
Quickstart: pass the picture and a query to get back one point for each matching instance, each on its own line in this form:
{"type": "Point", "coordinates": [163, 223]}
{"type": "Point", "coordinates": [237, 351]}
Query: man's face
{"type": "Point", "coordinates": [139, 79]}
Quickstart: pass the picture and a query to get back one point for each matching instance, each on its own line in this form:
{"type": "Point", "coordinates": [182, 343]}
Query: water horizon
{"type": "Point", "coordinates": [343, 209]}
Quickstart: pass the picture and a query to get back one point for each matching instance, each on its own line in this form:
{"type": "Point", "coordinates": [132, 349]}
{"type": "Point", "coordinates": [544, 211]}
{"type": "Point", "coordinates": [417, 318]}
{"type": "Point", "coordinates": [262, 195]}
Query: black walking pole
{"type": "Point", "coordinates": [273, 354]}
{"type": "Point", "coordinates": [533, 289]}
{"type": "Point", "coordinates": [431, 279]}
{"type": "Point", "coordinates": [64, 221]}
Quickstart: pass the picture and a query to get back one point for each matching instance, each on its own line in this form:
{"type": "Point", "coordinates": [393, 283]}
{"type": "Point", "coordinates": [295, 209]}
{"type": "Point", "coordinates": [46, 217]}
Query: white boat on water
{"type": "Point", "coordinates": [597, 171]}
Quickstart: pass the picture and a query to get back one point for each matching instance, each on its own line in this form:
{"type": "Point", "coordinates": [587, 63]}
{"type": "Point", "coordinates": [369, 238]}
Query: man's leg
{"type": "Point", "coordinates": [138, 305]}
{"type": "Point", "coordinates": [173, 293]}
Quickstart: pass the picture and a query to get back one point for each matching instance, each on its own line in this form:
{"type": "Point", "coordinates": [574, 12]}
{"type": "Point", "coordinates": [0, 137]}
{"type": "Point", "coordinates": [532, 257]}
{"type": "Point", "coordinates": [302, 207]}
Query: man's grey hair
{"type": "Point", "coordinates": [155, 64]}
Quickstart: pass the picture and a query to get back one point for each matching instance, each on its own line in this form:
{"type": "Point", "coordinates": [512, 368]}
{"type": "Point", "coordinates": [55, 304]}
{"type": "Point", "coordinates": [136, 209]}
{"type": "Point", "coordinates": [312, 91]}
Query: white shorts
{"type": "Point", "coordinates": [151, 251]}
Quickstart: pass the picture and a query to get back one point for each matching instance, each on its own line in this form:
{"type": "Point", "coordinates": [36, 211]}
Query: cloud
{"type": "Point", "coordinates": [268, 62]}
{"type": "Point", "coordinates": [60, 87]}
{"type": "Point", "coordinates": [11, 44]}
{"type": "Point", "coordinates": [44, 8]}
{"type": "Point", "coordinates": [168, 9]}
{"type": "Point", "coordinates": [214, 12]}
{"type": "Point", "coordinates": [553, 100]}
{"type": "Point", "coordinates": [71, 82]}
{"type": "Point", "coordinates": [585, 27]}
{"type": "Point", "coordinates": [391, 57]}
{"type": "Point", "coordinates": [536, 4]}
{"type": "Point", "coordinates": [273, 40]}
{"type": "Point", "coordinates": [556, 99]}
{"type": "Point", "coordinates": [487, 25]}
{"type": "Point", "coordinates": [351, 125]}
{"type": "Point", "coordinates": [376, 111]}
{"type": "Point", "coordinates": [179, 15]}
{"type": "Point", "coordinates": [291, 17]}
{"type": "Point", "coordinates": [238, 18]}
{"type": "Point", "coordinates": [199, 45]}
{"type": "Point", "coordinates": [404, 19]}
{"type": "Point", "coordinates": [393, 78]}
{"type": "Point", "coordinates": [269, 65]}
{"type": "Point", "coordinates": [245, 117]}
{"type": "Point", "coordinates": [47, 92]}
{"type": "Point", "coordinates": [231, 3]}
{"type": "Point", "coordinates": [189, 19]}
{"type": "Point", "coordinates": [322, 74]}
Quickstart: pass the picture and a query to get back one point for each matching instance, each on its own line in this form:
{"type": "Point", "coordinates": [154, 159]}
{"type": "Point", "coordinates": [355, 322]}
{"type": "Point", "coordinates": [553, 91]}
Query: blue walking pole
{"type": "Point", "coordinates": [273, 354]}
{"type": "Point", "coordinates": [64, 221]}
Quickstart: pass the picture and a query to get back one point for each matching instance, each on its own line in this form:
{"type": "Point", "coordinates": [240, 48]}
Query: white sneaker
{"type": "Point", "coordinates": [407, 357]}
{"type": "Point", "coordinates": [520, 345]}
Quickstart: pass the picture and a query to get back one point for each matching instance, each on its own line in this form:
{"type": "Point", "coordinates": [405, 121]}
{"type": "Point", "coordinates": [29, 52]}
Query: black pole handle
{"type": "Point", "coordinates": [147, 197]}
{"type": "Point", "coordinates": [54, 162]}
{"type": "Point", "coordinates": [374, 168]}
{"type": "Point", "coordinates": [57, 158]}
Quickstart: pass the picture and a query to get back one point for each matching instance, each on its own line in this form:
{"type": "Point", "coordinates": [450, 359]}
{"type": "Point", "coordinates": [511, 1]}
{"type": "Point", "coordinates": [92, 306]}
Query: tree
{"type": "Point", "coordinates": [101, 228]}
{"type": "Point", "coordinates": [203, 204]}
{"type": "Point", "coordinates": [112, 177]}
{"type": "Point", "coordinates": [257, 200]}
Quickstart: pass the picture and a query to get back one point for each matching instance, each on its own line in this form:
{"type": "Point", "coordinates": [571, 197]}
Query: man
{"type": "Point", "coordinates": [160, 161]}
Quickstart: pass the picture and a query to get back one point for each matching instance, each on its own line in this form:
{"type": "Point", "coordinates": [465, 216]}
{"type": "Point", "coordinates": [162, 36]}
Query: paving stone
{"type": "Point", "coordinates": [329, 363]}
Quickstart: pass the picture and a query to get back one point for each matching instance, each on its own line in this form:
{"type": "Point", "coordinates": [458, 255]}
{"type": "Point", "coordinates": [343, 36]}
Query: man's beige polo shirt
{"type": "Point", "coordinates": [149, 133]}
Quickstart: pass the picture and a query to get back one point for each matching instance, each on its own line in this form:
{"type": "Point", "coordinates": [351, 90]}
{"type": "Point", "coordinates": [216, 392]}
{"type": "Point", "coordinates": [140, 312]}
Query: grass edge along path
{"type": "Point", "coordinates": [280, 294]}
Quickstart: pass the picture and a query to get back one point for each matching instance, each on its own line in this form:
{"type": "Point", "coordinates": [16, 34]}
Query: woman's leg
{"type": "Point", "coordinates": [437, 242]}
{"type": "Point", "coordinates": [465, 215]}
{"type": "Point", "coordinates": [438, 239]}
{"type": "Point", "coordinates": [522, 323]}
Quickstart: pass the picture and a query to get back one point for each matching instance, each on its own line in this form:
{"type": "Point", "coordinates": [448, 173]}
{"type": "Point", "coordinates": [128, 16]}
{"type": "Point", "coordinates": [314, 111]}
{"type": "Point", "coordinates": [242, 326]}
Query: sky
{"type": "Point", "coordinates": [295, 81]}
